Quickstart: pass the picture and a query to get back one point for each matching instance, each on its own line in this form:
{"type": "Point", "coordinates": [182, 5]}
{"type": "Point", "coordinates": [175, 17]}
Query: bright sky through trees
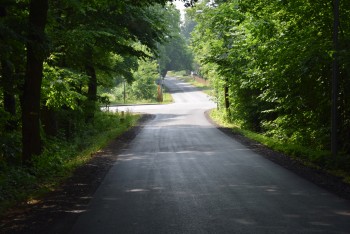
{"type": "Point", "coordinates": [180, 6]}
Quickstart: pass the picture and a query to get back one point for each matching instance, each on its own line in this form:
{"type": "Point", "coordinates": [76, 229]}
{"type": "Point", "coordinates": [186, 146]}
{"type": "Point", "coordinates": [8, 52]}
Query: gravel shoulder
{"type": "Point", "coordinates": [57, 212]}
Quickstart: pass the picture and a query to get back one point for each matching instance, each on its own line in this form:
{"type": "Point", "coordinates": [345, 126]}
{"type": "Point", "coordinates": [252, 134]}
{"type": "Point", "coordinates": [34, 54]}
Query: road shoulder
{"type": "Point", "coordinates": [57, 211]}
{"type": "Point", "coordinates": [321, 178]}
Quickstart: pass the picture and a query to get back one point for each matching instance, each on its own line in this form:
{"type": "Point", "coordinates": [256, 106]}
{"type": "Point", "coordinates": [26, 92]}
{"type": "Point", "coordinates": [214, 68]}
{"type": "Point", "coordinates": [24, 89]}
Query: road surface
{"type": "Point", "coordinates": [182, 175]}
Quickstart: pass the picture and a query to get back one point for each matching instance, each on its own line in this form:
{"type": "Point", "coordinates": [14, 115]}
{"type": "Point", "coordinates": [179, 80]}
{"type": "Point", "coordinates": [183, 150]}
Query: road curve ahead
{"type": "Point", "coordinates": [182, 175]}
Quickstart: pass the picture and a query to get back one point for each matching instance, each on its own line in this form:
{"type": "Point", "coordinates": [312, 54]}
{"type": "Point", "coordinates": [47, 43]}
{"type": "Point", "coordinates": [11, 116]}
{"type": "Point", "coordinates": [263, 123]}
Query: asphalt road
{"type": "Point", "coordinates": [182, 175]}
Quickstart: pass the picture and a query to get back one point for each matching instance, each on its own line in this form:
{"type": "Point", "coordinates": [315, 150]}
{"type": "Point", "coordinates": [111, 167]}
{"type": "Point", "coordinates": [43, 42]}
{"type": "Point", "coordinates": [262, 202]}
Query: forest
{"type": "Point", "coordinates": [273, 64]}
{"type": "Point", "coordinates": [59, 63]}
{"type": "Point", "coordinates": [58, 57]}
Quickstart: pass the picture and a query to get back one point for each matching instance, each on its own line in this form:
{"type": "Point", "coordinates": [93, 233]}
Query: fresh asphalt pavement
{"type": "Point", "coordinates": [182, 175]}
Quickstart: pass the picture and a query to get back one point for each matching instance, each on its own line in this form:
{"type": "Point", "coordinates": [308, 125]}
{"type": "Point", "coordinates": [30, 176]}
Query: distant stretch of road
{"type": "Point", "coordinates": [182, 175]}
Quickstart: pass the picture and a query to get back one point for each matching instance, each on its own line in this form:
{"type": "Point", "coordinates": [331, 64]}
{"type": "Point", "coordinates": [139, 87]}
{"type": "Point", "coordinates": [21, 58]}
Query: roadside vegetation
{"type": "Point", "coordinates": [61, 156]}
{"type": "Point", "coordinates": [60, 62]}
{"type": "Point", "coordinates": [308, 156]}
{"type": "Point", "coordinates": [271, 65]}
{"type": "Point", "coordinates": [144, 90]}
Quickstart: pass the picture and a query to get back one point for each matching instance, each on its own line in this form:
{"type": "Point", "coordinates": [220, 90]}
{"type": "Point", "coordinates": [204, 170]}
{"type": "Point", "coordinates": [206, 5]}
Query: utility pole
{"type": "Point", "coordinates": [335, 78]}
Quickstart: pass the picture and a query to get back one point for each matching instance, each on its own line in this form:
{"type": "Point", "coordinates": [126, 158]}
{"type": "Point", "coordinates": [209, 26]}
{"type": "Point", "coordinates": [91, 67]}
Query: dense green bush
{"type": "Point", "coordinates": [271, 62]}
{"type": "Point", "coordinates": [143, 89]}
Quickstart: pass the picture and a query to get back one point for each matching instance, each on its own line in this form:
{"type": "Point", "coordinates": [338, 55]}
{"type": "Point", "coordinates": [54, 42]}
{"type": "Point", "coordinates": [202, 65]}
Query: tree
{"type": "Point", "coordinates": [36, 53]}
{"type": "Point", "coordinates": [80, 44]}
{"type": "Point", "coordinates": [12, 62]}
{"type": "Point", "coordinates": [275, 58]}
{"type": "Point", "coordinates": [174, 53]}
{"type": "Point", "coordinates": [144, 87]}
{"type": "Point", "coordinates": [188, 24]}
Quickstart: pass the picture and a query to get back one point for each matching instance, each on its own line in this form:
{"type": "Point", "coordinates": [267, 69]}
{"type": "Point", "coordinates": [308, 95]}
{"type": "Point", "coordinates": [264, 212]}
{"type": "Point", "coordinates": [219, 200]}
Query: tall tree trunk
{"type": "Point", "coordinates": [8, 92]}
{"type": "Point", "coordinates": [227, 102]}
{"type": "Point", "coordinates": [226, 99]}
{"type": "Point", "coordinates": [92, 85]}
{"type": "Point", "coordinates": [8, 83]}
{"type": "Point", "coordinates": [3, 12]}
{"type": "Point", "coordinates": [90, 71]}
{"type": "Point", "coordinates": [36, 48]}
{"type": "Point", "coordinates": [226, 96]}
{"type": "Point", "coordinates": [8, 87]}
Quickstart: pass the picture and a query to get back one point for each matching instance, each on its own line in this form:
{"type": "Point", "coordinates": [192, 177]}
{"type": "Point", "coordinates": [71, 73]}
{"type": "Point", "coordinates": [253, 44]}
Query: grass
{"type": "Point", "coordinates": [167, 99]}
{"type": "Point", "coordinates": [317, 159]}
{"type": "Point", "coordinates": [58, 161]}
{"type": "Point", "coordinates": [134, 102]}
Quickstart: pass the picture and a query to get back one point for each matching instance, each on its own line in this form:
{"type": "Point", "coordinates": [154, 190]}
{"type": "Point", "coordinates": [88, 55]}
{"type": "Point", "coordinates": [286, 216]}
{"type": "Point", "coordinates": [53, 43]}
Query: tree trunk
{"type": "Point", "coordinates": [3, 12]}
{"type": "Point", "coordinates": [92, 85]}
{"type": "Point", "coordinates": [226, 99]}
{"type": "Point", "coordinates": [8, 87]}
{"type": "Point", "coordinates": [9, 100]}
{"type": "Point", "coordinates": [90, 71]}
{"type": "Point", "coordinates": [8, 83]}
{"type": "Point", "coordinates": [36, 48]}
{"type": "Point", "coordinates": [227, 102]}
{"type": "Point", "coordinates": [226, 96]}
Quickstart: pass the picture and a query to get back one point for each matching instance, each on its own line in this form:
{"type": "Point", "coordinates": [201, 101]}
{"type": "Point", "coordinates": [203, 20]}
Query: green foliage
{"type": "Point", "coordinates": [144, 87]}
{"type": "Point", "coordinates": [61, 87]}
{"type": "Point", "coordinates": [82, 45]}
{"type": "Point", "coordinates": [174, 53]}
{"type": "Point", "coordinates": [10, 148]}
{"type": "Point", "coordinates": [10, 141]}
{"type": "Point", "coordinates": [175, 56]}
{"type": "Point", "coordinates": [116, 94]}
{"type": "Point", "coordinates": [188, 24]}
{"type": "Point", "coordinates": [274, 58]}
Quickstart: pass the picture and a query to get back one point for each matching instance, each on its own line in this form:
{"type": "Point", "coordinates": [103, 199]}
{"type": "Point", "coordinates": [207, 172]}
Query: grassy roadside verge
{"type": "Point", "coordinates": [59, 160]}
{"type": "Point", "coordinates": [320, 160]}
{"type": "Point", "coordinates": [167, 99]}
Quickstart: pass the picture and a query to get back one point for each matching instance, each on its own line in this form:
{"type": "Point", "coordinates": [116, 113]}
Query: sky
{"type": "Point", "coordinates": [181, 6]}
